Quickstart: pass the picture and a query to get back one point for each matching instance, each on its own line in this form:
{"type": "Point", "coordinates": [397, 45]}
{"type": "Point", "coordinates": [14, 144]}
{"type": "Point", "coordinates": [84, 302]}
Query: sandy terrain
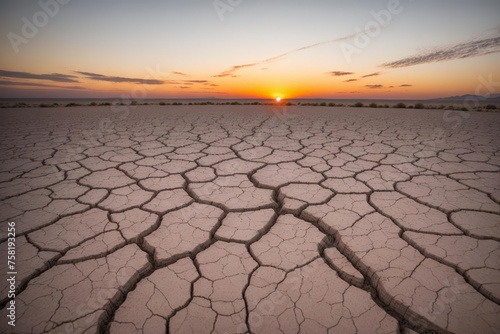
{"type": "Point", "coordinates": [237, 219]}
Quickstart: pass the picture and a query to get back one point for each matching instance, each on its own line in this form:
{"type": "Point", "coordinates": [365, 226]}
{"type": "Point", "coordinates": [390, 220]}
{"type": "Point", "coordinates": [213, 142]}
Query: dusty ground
{"type": "Point", "coordinates": [235, 219]}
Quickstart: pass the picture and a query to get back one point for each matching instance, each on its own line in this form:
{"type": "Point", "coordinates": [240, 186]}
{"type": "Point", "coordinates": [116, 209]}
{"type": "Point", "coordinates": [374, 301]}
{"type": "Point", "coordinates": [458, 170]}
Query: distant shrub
{"type": "Point", "coordinates": [386, 106]}
{"type": "Point", "coordinates": [73, 104]}
{"type": "Point", "coordinates": [464, 109]}
{"type": "Point", "coordinates": [411, 107]}
{"type": "Point", "coordinates": [105, 104]}
{"type": "Point", "coordinates": [290, 104]}
{"type": "Point", "coordinates": [133, 103]}
{"type": "Point", "coordinates": [331, 104]}
{"type": "Point", "coordinates": [323, 104]}
{"type": "Point", "coordinates": [163, 103]}
{"type": "Point", "coordinates": [92, 104]}
{"type": "Point", "coordinates": [373, 105]}
{"type": "Point", "coordinates": [491, 107]}
{"type": "Point", "coordinates": [419, 106]}
{"type": "Point", "coordinates": [44, 105]}
{"type": "Point", "coordinates": [400, 105]}
{"type": "Point", "coordinates": [235, 103]}
{"type": "Point", "coordinates": [359, 105]}
{"type": "Point", "coordinates": [177, 104]}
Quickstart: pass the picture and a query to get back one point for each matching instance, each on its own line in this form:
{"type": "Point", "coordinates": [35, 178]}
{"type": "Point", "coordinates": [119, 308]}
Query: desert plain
{"type": "Point", "coordinates": [251, 219]}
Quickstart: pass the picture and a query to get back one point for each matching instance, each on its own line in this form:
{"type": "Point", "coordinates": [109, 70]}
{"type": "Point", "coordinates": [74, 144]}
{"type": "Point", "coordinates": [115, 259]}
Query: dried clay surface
{"type": "Point", "coordinates": [254, 219]}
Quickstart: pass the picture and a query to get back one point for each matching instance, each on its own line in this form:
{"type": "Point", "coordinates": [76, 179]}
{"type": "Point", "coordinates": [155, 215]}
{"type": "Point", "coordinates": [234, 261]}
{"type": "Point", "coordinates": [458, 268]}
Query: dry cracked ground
{"type": "Point", "coordinates": [238, 220]}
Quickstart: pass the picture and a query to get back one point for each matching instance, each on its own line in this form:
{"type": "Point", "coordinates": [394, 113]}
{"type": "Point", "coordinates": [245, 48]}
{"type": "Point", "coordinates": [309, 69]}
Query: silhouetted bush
{"type": "Point", "coordinates": [92, 104]}
{"type": "Point", "coordinates": [400, 105]}
{"type": "Point", "coordinates": [331, 104]}
{"type": "Point", "coordinates": [359, 105]}
{"type": "Point", "coordinates": [105, 103]}
{"type": "Point", "coordinates": [323, 104]}
{"type": "Point", "coordinates": [373, 105]}
{"type": "Point", "coordinates": [419, 106]}
{"type": "Point", "coordinates": [491, 107]}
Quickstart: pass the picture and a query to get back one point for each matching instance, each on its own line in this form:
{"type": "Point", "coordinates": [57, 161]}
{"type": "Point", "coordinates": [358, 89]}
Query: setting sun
{"type": "Point", "coordinates": [278, 99]}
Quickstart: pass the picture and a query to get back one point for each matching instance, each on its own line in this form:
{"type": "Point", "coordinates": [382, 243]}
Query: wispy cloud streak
{"type": "Point", "coordinates": [57, 77]}
{"type": "Point", "coordinates": [231, 70]}
{"type": "Point", "coordinates": [34, 84]}
{"type": "Point", "coordinates": [371, 75]}
{"type": "Point", "coordinates": [101, 77]}
{"type": "Point", "coordinates": [474, 48]}
{"type": "Point", "coordinates": [339, 73]}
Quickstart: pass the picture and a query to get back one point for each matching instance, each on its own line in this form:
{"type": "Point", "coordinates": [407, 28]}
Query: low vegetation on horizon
{"type": "Point", "coordinates": [400, 105]}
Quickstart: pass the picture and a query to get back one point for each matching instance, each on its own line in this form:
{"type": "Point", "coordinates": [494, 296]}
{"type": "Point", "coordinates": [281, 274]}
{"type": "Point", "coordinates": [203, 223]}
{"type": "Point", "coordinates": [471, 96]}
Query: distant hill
{"type": "Point", "coordinates": [494, 98]}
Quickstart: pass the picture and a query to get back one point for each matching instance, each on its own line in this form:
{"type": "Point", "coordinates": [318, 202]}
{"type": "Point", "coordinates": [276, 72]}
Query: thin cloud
{"type": "Point", "coordinates": [474, 48]}
{"type": "Point", "coordinates": [405, 85]}
{"type": "Point", "coordinates": [33, 84]}
{"type": "Point", "coordinates": [180, 73]}
{"type": "Point", "coordinates": [371, 75]}
{"type": "Point", "coordinates": [235, 68]}
{"type": "Point", "coordinates": [374, 86]}
{"type": "Point", "coordinates": [57, 77]}
{"type": "Point", "coordinates": [351, 80]}
{"type": "Point", "coordinates": [101, 77]}
{"type": "Point", "coordinates": [339, 73]}
{"type": "Point", "coordinates": [222, 75]}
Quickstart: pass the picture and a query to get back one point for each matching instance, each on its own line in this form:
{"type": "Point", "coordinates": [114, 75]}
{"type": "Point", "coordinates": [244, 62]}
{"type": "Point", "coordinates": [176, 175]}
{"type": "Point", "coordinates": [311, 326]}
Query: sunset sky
{"type": "Point", "coordinates": [248, 48]}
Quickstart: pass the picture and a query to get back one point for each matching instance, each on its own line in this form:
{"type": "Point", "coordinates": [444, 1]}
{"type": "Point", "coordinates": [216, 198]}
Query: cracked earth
{"type": "Point", "coordinates": [238, 220]}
